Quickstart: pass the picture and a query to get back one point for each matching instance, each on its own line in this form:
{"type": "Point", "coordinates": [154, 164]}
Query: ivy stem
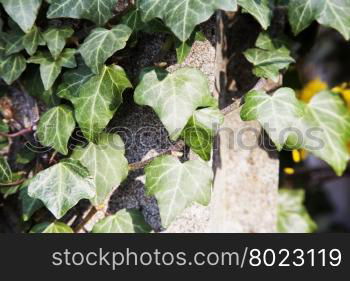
{"type": "Point", "coordinates": [12, 183]}
{"type": "Point", "coordinates": [52, 158]}
{"type": "Point", "coordinates": [17, 134]}
{"type": "Point", "coordinates": [177, 147]}
{"type": "Point", "coordinates": [86, 219]}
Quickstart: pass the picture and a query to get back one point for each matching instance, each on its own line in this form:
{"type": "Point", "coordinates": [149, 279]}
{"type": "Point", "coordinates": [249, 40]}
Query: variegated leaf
{"type": "Point", "coordinates": [23, 12]}
{"type": "Point", "coordinates": [177, 185]}
{"type": "Point", "coordinates": [56, 127]}
{"type": "Point", "coordinates": [174, 97]}
{"type": "Point", "coordinates": [62, 186]}
{"type": "Point", "coordinates": [106, 163]}
{"type": "Point", "coordinates": [124, 221]}
{"type": "Point", "coordinates": [102, 44]}
{"type": "Point", "coordinates": [98, 11]}
{"type": "Point", "coordinates": [183, 16]}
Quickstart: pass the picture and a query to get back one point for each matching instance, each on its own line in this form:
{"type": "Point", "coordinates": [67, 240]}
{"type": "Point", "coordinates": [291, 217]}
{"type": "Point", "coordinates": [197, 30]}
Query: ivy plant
{"type": "Point", "coordinates": [64, 53]}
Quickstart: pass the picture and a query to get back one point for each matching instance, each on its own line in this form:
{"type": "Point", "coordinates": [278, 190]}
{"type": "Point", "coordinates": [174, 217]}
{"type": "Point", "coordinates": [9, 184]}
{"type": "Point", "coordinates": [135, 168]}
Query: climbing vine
{"type": "Point", "coordinates": [63, 53]}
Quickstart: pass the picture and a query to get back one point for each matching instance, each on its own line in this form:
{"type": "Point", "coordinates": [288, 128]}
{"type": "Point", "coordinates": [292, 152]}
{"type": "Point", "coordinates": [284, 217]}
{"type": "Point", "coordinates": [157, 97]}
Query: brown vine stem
{"type": "Point", "coordinates": [262, 85]}
{"type": "Point", "coordinates": [3, 185]}
{"type": "Point", "coordinates": [17, 134]}
{"type": "Point", "coordinates": [86, 219]}
{"type": "Point", "coordinates": [177, 147]}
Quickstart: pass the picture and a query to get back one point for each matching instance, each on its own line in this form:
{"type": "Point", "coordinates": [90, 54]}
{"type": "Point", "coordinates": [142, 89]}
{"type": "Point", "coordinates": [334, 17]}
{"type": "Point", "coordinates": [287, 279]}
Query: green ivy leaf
{"type": "Point", "coordinates": [13, 42]}
{"type": "Point", "coordinates": [50, 68]}
{"type": "Point", "coordinates": [177, 185]}
{"type": "Point", "coordinates": [72, 82]}
{"type": "Point", "coordinates": [12, 67]}
{"type": "Point", "coordinates": [55, 39]}
{"type": "Point", "coordinates": [269, 58]}
{"type": "Point", "coordinates": [124, 221]}
{"type": "Point", "coordinates": [183, 16]}
{"type": "Point", "coordinates": [5, 171]}
{"type": "Point", "coordinates": [302, 13]}
{"type": "Point", "coordinates": [174, 97]}
{"type": "Point", "coordinates": [25, 155]}
{"type": "Point", "coordinates": [292, 215]}
{"type": "Point", "coordinates": [35, 87]}
{"type": "Point", "coordinates": [56, 127]}
{"type": "Point", "coordinates": [98, 99]}
{"type": "Point", "coordinates": [106, 163]}
{"type": "Point", "coordinates": [32, 40]}
{"type": "Point", "coordinates": [322, 125]}
{"type": "Point", "coordinates": [29, 205]}
{"type": "Point", "coordinates": [23, 12]}
{"type": "Point", "coordinates": [61, 186]}
{"type": "Point", "coordinates": [98, 11]}
{"type": "Point", "coordinates": [333, 14]}
{"type": "Point", "coordinates": [55, 227]}
{"type": "Point", "coordinates": [280, 111]}
{"type": "Point", "coordinates": [262, 10]}
{"type": "Point", "coordinates": [102, 44]}
{"type": "Point", "coordinates": [328, 112]}
{"type": "Point", "coordinates": [2, 45]}
{"type": "Point", "coordinates": [201, 129]}
{"type": "Point", "coordinates": [133, 20]}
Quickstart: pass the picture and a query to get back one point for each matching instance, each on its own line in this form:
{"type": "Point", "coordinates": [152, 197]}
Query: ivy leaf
{"type": "Point", "coordinates": [269, 58]}
{"type": "Point", "coordinates": [35, 87]}
{"type": "Point", "coordinates": [333, 14]}
{"type": "Point", "coordinates": [55, 227]}
{"type": "Point", "coordinates": [98, 100]}
{"type": "Point", "coordinates": [183, 16]}
{"type": "Point", "coordinates": [302, 13]}
{"type": "Point", "coordinates": [98, 11]}
{"type": "Point", "coordinates": [174, 97]}
{"type": "Point", "coordinates": [29, 205]}
{"type": "Point", "coordinates": [56, 127]}
{"type": "Point", "coordinates": [102, 44]}
{"type": "Point", "coordinates": [61, 186]}
{"type": "Point", "coordinates": [201, 129]}
{"type": "Point", "coordinates": [321, 126]}
{"type": "Point", "coordinates": [328, 112]}
{"type": "Point", "coordinates": [106, 163]}
{"type": "Point", "coordinates": [280, 111]}
{"type": "Point", "coordinates": [2, 45]}
{"type": "Point", "coordinates": [133, 20]}
{"type": "Point", "coordinates": [124, 221]}
{"type": "Point", "coordinates": [56, 39]}
{"type": "Point", "coordinates": [5, 171]}
{"type": "Point", "coordinates": [12, 67]}
{"type": "Point", "coordinates": [260, 9]}
{"type": "Point", "coordinates": [292, 215]}
{"type": "Point", "coordinates": [177, 185]}
{"type": "Point", "coordinates": [72, 82]}
{"type": "Point", "coordinates": [50, 68]}
{"type": "Point", "coordinates": [32, 40]}
{"type": "Point", "coordinates": [23, 12]}
{"type": "Point", "coordinates": [13, 42]}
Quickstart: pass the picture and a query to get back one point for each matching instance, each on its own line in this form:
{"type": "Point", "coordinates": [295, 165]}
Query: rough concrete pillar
{"type": "Point", "coordinates": [246, 175]}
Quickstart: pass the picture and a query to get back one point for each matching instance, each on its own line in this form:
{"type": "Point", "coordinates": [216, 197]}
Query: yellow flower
{"type": "Point", "coordinates": [344, 90]}
{"type": "Point", "coordinates": [312, 88]}
{"type": "Point", "coordinates": [289, 171]}
{"type": "Point", "coordinates": [296, 156]}
{"type": "Point", "coordinates": [299, 155]}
